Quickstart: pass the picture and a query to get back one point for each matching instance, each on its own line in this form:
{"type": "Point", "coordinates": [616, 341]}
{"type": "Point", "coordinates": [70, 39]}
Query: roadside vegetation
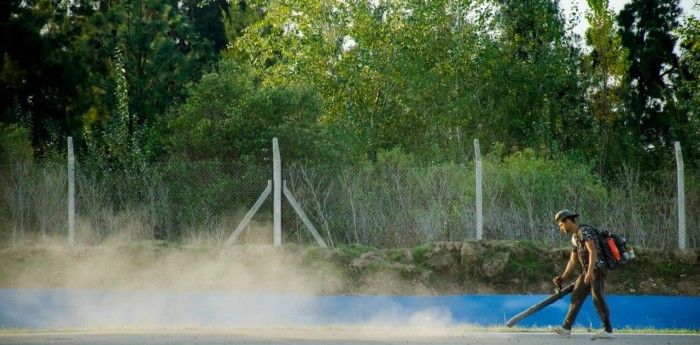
{"type": "Point", "coordinates": [394, 202]}
{"type": "Point", "coordinates": [440, 268]}
{"type": "Point", "coordinates": [377, 106]}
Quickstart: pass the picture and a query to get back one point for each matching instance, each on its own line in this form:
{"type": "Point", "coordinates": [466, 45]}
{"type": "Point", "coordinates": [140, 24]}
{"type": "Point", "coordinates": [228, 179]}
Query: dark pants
{"type": "Point", "coordinates": [581, 291]}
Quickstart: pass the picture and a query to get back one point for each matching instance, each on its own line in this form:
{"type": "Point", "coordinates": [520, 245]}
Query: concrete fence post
{"type": "Point", "coordinates": [479, 192]}
{"type": "Point", "coordinates": [681, 197]}
{"type": "Point", "coordinates": [71, 193]}
{"type": "Point", "coordinates": [277, 192]}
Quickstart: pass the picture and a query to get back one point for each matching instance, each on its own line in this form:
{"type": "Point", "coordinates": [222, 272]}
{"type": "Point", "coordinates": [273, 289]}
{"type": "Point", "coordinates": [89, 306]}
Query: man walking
{"type": "Point", "coordinates": [586, 250]}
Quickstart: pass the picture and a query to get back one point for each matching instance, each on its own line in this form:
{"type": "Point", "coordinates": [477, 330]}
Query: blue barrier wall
{"type": "Point", "coordinates": [59, 308]}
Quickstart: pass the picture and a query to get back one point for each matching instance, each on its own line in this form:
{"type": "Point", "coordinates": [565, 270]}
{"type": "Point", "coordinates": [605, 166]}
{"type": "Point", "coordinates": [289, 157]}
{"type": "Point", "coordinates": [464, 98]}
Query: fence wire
{"type": "Point", "coordinates": [382, 206]}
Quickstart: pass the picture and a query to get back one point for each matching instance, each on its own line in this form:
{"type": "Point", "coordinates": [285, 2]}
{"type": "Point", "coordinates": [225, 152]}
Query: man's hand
{"type": "Point", "coordinates": [588, 279]}
{"type": "Point", "coordinates": [558, 280]}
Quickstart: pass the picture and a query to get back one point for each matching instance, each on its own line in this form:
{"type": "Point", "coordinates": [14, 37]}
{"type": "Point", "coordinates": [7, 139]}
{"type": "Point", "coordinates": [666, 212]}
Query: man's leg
{"type": "Point", "coordinates": [578, 296]}
{"type": "Point", "coordinates": [598, 293]}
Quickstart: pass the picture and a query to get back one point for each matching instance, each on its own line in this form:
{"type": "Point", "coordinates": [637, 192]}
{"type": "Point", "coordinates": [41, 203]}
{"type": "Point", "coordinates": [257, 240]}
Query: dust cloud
{"type": "Point", "coordinates": [53, 286]}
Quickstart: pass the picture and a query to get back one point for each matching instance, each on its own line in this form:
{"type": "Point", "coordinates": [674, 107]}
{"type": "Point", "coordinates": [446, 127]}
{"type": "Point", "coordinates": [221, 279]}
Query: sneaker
{"type": "Point", "coordinates": [602, 335]}
{"type": "Point", "coordinates": [560, 330]}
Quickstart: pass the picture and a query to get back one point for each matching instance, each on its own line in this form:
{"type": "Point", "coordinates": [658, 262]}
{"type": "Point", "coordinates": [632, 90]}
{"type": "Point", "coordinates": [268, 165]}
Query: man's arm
{"type": "Point", "coordinates": [570, 267]}
{"type": "Point", "coordinates": [592, 260]}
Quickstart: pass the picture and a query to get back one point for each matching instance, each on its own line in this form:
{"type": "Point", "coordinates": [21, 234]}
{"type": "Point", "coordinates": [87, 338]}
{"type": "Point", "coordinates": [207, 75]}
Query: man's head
{"type": "Point", "coordinates": [566, 221]}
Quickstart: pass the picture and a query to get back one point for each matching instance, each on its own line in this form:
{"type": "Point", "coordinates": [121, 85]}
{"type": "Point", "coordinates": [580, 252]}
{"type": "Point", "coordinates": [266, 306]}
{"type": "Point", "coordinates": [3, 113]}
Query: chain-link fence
{"type": "Point", "coordinates": [383, 206]}
{"type": "Point", "coordinates": [409, 206]}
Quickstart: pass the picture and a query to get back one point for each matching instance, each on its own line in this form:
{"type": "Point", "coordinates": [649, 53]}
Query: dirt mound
{"type": "Point", "coordinates": [474, 267]}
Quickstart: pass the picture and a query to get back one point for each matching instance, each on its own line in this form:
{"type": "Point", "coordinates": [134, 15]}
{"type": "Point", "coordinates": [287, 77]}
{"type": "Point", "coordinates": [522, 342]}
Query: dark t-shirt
{"type": "Point", "coordinates": [578, 240]}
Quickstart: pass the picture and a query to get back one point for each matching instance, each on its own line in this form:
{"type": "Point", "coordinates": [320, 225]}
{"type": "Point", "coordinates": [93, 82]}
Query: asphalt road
{"type": "Point", "coordinates": [332, 336]}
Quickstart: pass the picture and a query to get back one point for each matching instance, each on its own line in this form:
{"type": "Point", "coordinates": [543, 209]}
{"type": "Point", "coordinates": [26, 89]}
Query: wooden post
{"type": "Point", "coordinates": [71, 193]}
{"type": "Point", "coordinates": [681, 197]}
{"type": "Point", "coordinates": [479, 196]}
{"type": "Point", "coordinates": [277, 192]}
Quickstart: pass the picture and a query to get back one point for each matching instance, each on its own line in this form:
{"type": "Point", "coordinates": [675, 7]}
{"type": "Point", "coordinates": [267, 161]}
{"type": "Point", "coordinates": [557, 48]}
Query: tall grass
{"type": "Point", "coordinates": [391, 203]}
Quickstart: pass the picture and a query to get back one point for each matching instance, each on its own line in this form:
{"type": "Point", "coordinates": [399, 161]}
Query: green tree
{"type": "Point", "coordinates": [39, 70]}
{"type": "Point", "coordinates": [349, 52]}
{"type": "Point", "coordinates": [605, 71]}
{"type": "Point", "coordinates": [375, 55]}
{"type": "Point", "coordinates": [122, 143]}
{"type": "Point", "coordinates": [647, 30]}
{"type": "Point", "coordinates": [687, 128]}
{"type": "Point", "coordinates": [424, 76]}
{"type": "Point", "coordinates": [406, 74]}
{"type": "Point", "coordinates": [15, 145]}
{"type": "Point", "coordinates": [208, 20]}
{"type": "Point", "coordinates": [239, 17]}
{"type": "Point", "coordinates": [228, 116]}
{"type": "Point", "coordinates": [161, 55]}
{"type": "Point", "coordinates": [534, 77]}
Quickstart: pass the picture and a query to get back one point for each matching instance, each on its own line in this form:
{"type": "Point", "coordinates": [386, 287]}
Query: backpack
{"type": "Point", "coordinates": [614, 249]}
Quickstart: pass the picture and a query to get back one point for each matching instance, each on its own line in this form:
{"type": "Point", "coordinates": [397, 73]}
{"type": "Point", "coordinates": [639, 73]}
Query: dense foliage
{"type": "Point", "coordinates": [427, 77]}
{"type": "Point", "coordinates": [144, 82]}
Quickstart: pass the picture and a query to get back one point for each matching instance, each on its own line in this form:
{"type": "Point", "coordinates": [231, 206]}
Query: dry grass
{"type": "Point", "coordinates": [383, 206]}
